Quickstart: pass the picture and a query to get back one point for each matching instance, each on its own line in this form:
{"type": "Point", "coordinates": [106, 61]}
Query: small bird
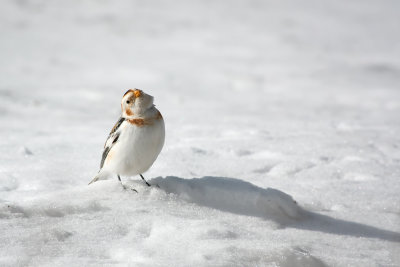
{"type": "Point", "coordinates": [135, 140]}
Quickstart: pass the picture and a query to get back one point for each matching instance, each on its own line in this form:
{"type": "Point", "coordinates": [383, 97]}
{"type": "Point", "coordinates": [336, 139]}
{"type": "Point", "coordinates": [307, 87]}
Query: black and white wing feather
{"type": "Point", "coordinates": [111, 140]}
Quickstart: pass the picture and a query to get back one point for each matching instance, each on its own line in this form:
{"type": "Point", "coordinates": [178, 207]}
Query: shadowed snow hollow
{"type": "Point", "coordinates": [233, 195]}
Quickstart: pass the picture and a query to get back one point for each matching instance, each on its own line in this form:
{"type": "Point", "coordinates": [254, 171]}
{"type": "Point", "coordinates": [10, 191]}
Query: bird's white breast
{"type": "Point", "coordinates": [137, 148]}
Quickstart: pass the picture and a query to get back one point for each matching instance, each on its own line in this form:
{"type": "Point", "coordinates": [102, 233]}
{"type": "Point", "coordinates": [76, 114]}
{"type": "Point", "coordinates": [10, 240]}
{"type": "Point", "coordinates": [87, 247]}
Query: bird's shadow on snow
{"type": "Point", "coordinates": [241, 197]}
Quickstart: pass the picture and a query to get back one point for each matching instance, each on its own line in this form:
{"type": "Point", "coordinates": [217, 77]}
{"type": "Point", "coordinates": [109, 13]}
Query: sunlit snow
{"type": "Point", "coordinates": [282, 133]}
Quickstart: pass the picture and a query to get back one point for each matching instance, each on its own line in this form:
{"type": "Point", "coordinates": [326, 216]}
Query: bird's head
{"type": "Point", "coordinates": [135, 102]}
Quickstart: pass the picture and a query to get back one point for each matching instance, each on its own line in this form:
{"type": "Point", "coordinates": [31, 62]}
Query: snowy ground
{"type": "Point", "coordinates": [265, 102]}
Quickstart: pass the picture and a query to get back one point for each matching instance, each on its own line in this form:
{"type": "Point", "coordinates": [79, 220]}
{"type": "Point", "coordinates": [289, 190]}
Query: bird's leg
{"type": "Point", "coordinates": [144, 180]}
{"type": "Point", "coordinates": [125, 187]}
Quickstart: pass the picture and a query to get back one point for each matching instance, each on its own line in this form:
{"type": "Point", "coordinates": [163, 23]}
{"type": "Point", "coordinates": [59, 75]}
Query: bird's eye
{"type": "Point", "coordinates": [127, 101]}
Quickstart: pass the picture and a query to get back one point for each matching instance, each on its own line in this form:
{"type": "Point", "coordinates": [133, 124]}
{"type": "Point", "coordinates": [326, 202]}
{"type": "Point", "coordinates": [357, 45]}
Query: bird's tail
{"type": "Point", "coordinates": [100, 176]}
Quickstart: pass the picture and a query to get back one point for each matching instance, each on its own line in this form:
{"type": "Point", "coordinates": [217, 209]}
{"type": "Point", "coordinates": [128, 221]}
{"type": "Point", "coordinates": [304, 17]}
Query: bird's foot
{"type": "Point", "coordinates": [129, 188]}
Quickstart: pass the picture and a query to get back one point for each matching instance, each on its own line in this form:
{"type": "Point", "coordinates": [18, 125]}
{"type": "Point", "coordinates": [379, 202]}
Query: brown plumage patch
{"type": "Point", "coordinates": [159, 116]}
{"type": "Point", "coordinates": [137, 93]}
{"type": "Point", "coordinates": [142, 122]}
{"type": "Point", "coordinates": [128, 112]}
{"type": "Point", "coordinates": [129, 91]}
{"type": "Point", "coordinates": [139, 122]}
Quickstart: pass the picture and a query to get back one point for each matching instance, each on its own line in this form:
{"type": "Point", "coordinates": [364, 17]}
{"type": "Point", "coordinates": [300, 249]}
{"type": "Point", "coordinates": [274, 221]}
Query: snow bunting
{"type": "Point", "coordinates": [135, 140]}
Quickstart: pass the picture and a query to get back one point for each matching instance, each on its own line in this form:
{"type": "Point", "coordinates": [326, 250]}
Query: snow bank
{"type": "Point", "coordinates": [232, 195]}
{"type": "Point", "coordinates": [80, 200]}
{"type": "Point", "coordinates": [106, 225]}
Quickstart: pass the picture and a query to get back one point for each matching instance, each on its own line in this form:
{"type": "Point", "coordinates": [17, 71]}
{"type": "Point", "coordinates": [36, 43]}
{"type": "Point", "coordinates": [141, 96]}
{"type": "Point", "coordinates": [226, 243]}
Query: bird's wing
{"type": "Point", "coordinates": [111, 140]}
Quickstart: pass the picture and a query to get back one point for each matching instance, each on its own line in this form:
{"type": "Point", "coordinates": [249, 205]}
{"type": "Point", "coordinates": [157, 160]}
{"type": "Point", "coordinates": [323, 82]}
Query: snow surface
{"type": "Point", "coordinates": [282, 122]}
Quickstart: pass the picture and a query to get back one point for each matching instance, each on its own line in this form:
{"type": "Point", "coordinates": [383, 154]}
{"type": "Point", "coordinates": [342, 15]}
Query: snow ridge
{"type": "Point", "coordinates": [233, 195]}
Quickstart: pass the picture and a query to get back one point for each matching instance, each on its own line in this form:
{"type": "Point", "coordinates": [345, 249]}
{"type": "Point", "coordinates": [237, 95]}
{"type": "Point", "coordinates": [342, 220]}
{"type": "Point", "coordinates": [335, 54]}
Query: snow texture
{"type": "Point", "coordinates": [232, 195]}
{"type": "Point", "coordinates": [282, 133]}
